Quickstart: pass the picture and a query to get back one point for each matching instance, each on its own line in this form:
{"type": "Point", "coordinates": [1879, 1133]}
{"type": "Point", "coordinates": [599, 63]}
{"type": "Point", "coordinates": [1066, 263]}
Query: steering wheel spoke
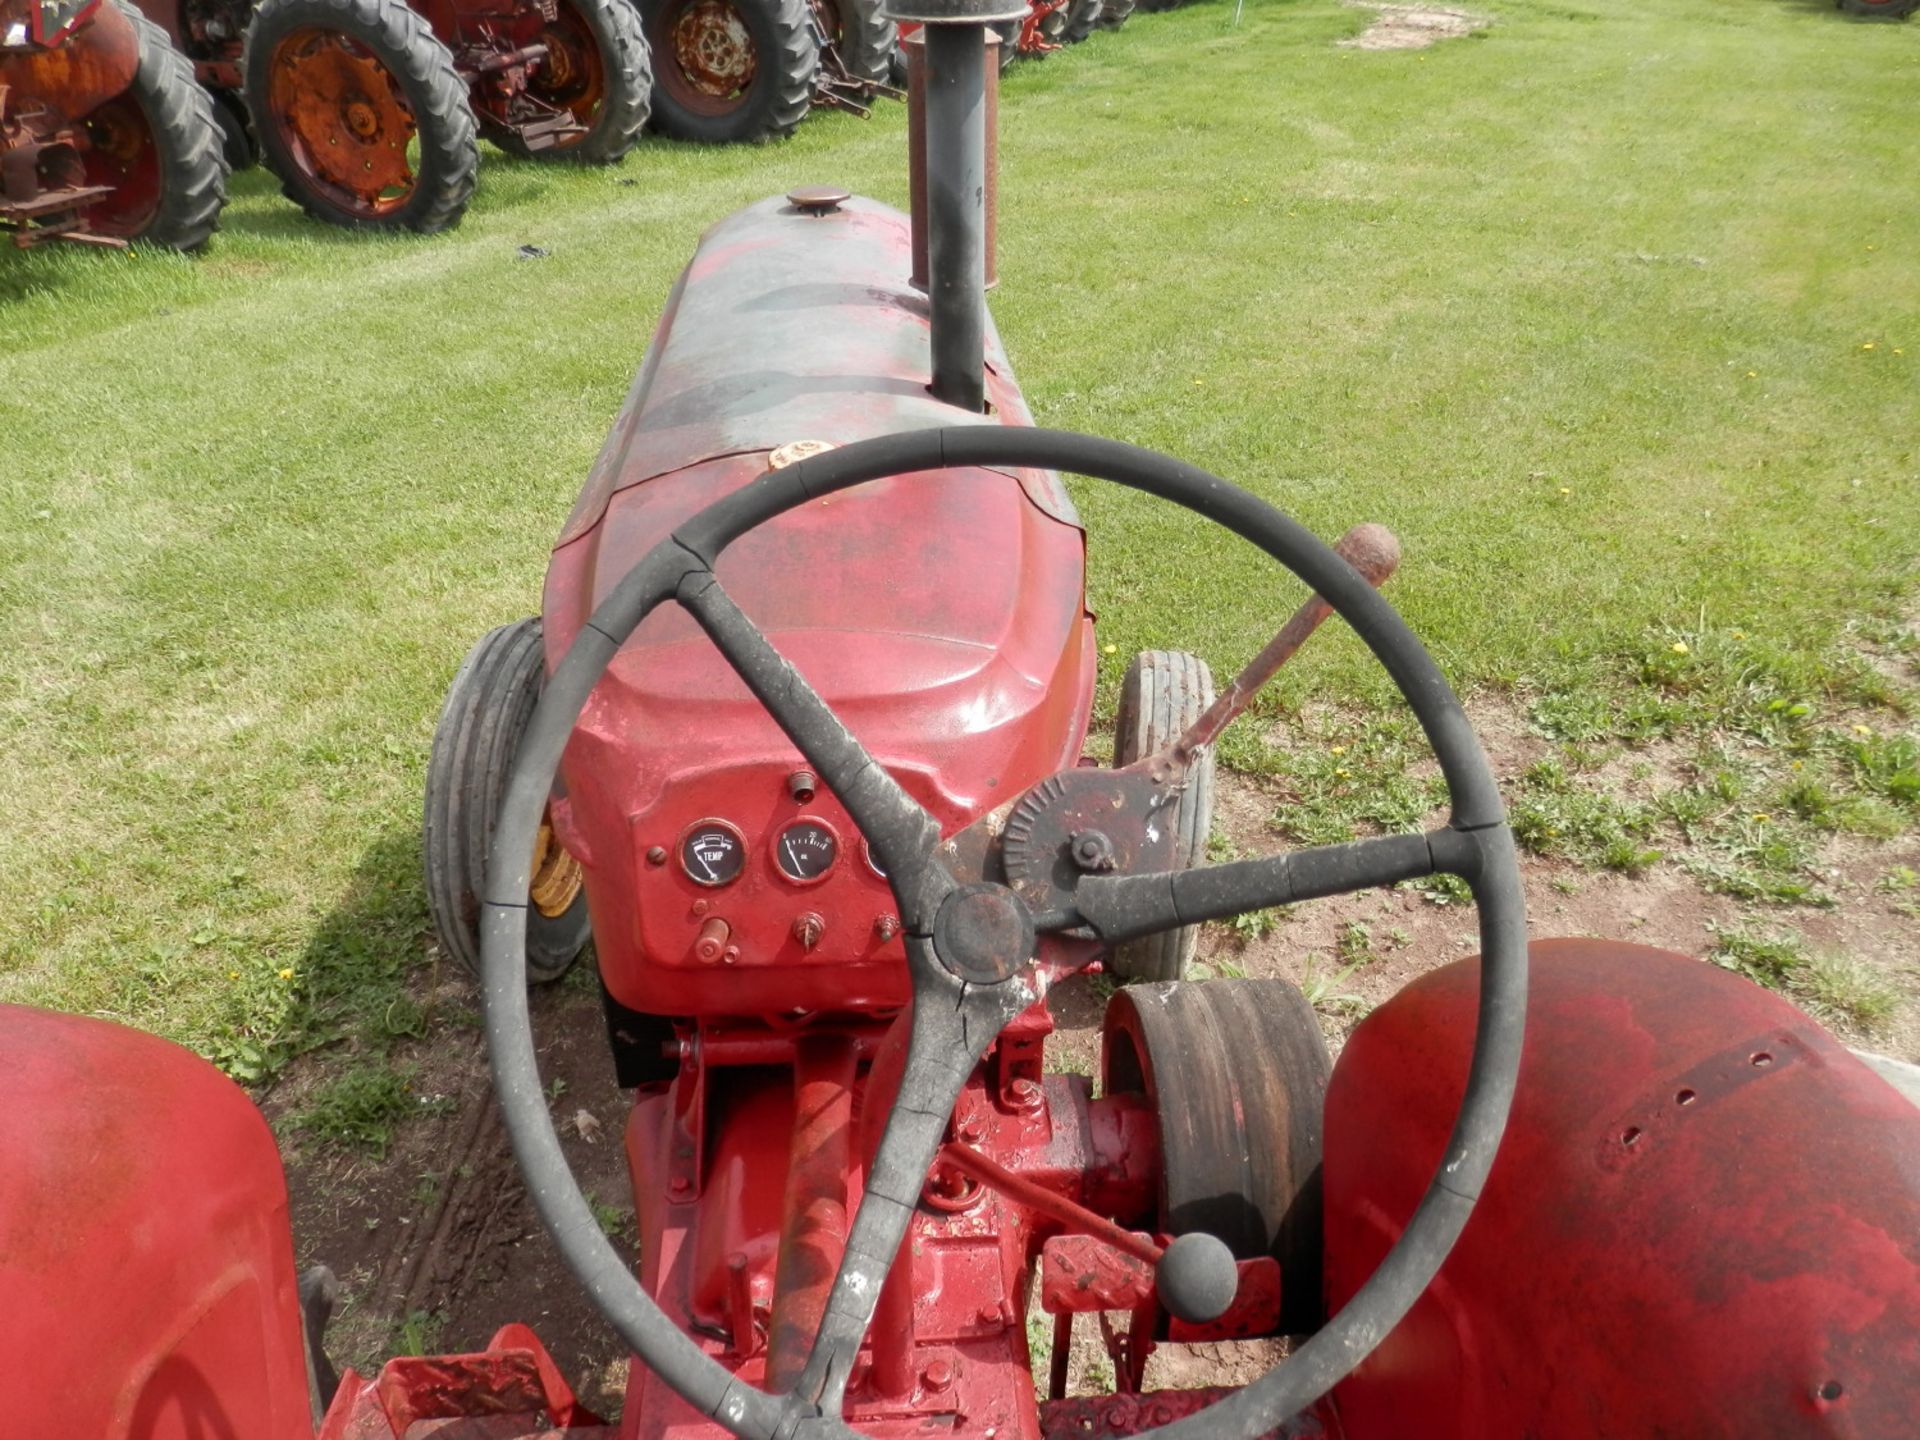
{"type": "Point", "coordinates": [953, 1023]}
{"type": "Point", "coordinates": [901, 832]}
{"type": "Point", "coordinates": [1124, 907]}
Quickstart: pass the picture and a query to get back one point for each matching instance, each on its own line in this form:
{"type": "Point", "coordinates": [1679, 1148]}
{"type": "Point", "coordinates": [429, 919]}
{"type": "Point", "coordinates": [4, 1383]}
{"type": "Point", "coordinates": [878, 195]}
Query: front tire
{"type": "Point", "coordinates": [487, 710]}
{"type": "Point", "coordinates": [158, 145]}
{"type": "Point", "coordinates": [728, 71]}
{"type": "Point", "coordinates": [1163, 693]}
{"type": "Point", "coordinates": [361, 114]}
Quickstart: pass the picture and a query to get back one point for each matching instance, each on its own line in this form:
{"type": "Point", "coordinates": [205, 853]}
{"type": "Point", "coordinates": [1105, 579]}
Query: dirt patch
{"type": "Point", "coordinates": [435, 1243]}
{"type": "Point", "coordinates": [1413, 27]}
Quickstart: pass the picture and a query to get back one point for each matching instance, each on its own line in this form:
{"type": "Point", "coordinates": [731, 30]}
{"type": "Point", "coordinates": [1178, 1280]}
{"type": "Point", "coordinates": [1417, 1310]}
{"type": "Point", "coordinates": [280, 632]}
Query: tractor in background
{"type": "Point", "coordinates": [369, 111]}
{"type": "Point", "coordinates": [799, 743]}
{"type": "Point", "coordinates": [104, 137]}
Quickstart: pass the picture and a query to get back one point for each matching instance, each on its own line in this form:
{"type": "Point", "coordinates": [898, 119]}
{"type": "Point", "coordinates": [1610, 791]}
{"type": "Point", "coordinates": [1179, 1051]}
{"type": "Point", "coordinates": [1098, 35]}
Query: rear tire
{"type": "Point", "coordinates": [730, 71]}
{"type": "Point", "coordinates": [487, 710]}
{"type": "Point", "coordinates": [864, 38]}
{"type": "Point", "coordinates": [1879, 9]}
{"type": "Point", "coordinates": [1163, 693]}
{"type": "Point", "coordinates": [1235, 1073]}
{"type": "Point", "coordinates": [1082, 16]}
{"type": "Point", "coordinates": [1114, 13]}
{"type": "Point", "coordinates": [158, 144]}
{"type": "Point", "coordinates": [402, 90]}
{"type": "Point", "coordinates": [604, 79]}
{"type": "Point", "coordinates": [238, 147]}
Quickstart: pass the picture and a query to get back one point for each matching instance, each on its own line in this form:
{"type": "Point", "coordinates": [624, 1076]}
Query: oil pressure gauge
{"type": "Point", "coordinates": [712, 852]}
{"type": "Point", "coordinates": [805, 851]}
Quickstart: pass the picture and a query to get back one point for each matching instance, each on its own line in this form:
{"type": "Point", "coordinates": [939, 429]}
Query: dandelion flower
{"type": "Point", "coordinates": [1679, 647]}
{"type": "Point", "coordinates": [287, 974]}
{"type": "Point", "coordinates": [1341, 773]}
{"type": "Point", "coordinates": [1739, 634]}
{"type": "Point", "coordinates": [1761, 817]}
{"type": "Point", "coordinates": [1113, 649]}
{"type": "Point", "coordinates": [1565, 490]}
{"type": "Point", "coordinates": [1867, 346]}
{"type": "Point", "coordinates": [1863, 730]}
{"type": "Point", "coordinates": [1338, 750]}
{"type": "Point", "coordinates": [1753, 374]}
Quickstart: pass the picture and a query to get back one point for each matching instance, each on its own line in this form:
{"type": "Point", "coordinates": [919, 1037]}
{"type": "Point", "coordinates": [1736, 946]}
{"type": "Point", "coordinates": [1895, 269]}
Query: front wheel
{"type": "Point", "coordinates": [726, 71]}
{"type": "Point", "coordinates": [1163, 693]}
{"type": "Point", "coordinates": [158, 145]}
{"type": "Point", "coordinates": [487, 710]}
{"type": "Point", "coordinates": [361, 114]}
{"type": "Point", "coordinates": [597, 70]}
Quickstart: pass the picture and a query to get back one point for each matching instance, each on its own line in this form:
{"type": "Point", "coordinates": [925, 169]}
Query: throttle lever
{"type": "Point", "coordinates": [1370, 549]}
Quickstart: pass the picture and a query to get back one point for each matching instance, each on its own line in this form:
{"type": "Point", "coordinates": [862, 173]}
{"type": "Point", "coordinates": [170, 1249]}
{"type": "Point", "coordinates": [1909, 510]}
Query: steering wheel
{"type": "Point", "coordinates": [970, 944]}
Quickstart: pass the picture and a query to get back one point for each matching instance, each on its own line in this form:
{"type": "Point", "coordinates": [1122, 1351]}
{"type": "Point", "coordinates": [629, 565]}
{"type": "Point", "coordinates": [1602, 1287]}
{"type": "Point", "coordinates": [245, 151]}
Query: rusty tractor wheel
{"type": "Point", "coordinates": [1164, 692]}
{"type": "Point", "coordinates": [158, 145]}
{"type": "Point", "coordinates": [597, 70]}
{"type": "Point", "coordinates": [1235, 1073]}
{"type": "Point", "coordinates": [488, 706]}
{"type": "Point", "coordinates": [1880, 9]}
{"type": "Point", "coordinates": [726, 71]}
{"type": "Point", "coordinates": [361, 113]}
{"type": "Point", "coordinates": [862, 36]}
{"type": "Point", "coordinates": [1082, 16]}
{"type": "Point", "coordinates": [1114, 13]}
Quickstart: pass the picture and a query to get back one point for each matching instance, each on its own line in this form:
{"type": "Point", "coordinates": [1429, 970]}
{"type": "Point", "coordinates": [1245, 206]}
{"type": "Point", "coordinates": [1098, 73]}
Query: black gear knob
{"type": "Point", "coordinates": [1197, 1278]}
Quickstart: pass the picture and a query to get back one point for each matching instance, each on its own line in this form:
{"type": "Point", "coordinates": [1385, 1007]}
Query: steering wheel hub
{"type": "Point", "coordinates": [983, 933]}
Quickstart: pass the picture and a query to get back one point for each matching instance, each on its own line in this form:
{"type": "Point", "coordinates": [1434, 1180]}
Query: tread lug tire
{"type": "Point", "coordinates": [626, 71]}
{"type": "Point", "coordinates": [422, 68]}
{"type": "Point", "coordinates": [1114, 13]}
{"type": "Point", "coordinates": [867, 39]}
{"type": "Point", "coordinates": [1235, 1075]}
{"type": "Point", "coordinates": [486, 712]}
{"type": "Point", "coordinates": [773, 101]}
{"type": "Point", "coordinates": [169, 194]}
{"type": "Point", "coordinates": [1082, 16]}
{"type": "Point", "coordinates": [238, 146]}
{"type": "Point", "coordinates": [1163, 693]}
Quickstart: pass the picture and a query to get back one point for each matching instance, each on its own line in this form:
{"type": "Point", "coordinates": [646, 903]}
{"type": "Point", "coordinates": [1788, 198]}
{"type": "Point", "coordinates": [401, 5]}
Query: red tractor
{"type": "Point", "coordinates": [369, 111]}
{"type": "Point", "coordinates": [104, 137]}
{"type": "Point", "coordinates": [799, 740]}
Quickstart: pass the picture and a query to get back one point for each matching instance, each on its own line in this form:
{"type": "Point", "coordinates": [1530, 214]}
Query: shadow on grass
{"type": "Point", "coordinates": [364, 979]}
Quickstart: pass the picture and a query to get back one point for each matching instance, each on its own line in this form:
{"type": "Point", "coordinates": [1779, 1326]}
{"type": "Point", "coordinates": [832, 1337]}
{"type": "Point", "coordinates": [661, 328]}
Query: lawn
{"type": "Point", "coordinates": [1611, 311]}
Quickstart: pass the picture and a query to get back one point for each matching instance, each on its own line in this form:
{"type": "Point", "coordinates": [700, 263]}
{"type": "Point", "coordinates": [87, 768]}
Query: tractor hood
{"type": "Point", "coordinates": [942, 615]}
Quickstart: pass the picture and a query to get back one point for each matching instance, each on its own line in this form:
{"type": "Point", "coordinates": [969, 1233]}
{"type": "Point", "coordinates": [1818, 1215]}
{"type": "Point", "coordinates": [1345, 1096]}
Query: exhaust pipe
{"type": "Point", "coordinates": [955, 103]}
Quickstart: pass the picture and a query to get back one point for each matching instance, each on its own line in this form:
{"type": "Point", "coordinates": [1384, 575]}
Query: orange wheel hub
{"type": "Point", "coordinates": [345, 119]}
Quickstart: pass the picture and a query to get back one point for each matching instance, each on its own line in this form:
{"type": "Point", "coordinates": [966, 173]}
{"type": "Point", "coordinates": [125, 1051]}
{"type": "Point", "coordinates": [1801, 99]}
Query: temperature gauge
{"type": "Point", "coordinates": [805, 851]}
{"type": "Point", "coordinates": [712, 853]}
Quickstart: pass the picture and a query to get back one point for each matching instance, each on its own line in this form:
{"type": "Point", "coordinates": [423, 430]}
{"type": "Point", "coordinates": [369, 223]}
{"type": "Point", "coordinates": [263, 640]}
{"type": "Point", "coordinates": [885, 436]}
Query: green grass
{"type": "Point", "coordinates": [1833, 987]}
{"type": "Point", "coordinates": [1582, 308]}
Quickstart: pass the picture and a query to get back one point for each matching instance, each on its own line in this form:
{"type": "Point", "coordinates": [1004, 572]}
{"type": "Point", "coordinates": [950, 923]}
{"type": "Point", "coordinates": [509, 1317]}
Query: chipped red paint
{"type": "Point", "coordinates": [1704, 1219]}
{"type": "Point", "coordinates": [512, 1390]}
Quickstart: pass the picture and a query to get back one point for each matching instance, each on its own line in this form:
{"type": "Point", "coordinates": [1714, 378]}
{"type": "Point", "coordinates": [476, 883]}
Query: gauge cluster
{"type": "Point", "coordinates": [714, 853]}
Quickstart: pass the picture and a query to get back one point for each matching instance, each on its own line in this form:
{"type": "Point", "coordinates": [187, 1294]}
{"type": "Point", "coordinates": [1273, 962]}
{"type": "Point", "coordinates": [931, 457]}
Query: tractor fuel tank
{"type": "Point", "coordinates": [1704, 1219]}
{"type": "Point", "coordinates": [942, 616]}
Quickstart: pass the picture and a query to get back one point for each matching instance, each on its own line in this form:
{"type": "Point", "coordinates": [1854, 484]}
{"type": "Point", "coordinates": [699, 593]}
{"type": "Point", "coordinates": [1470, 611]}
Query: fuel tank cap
{"type": "Point", "coordinates": [818, 199]}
